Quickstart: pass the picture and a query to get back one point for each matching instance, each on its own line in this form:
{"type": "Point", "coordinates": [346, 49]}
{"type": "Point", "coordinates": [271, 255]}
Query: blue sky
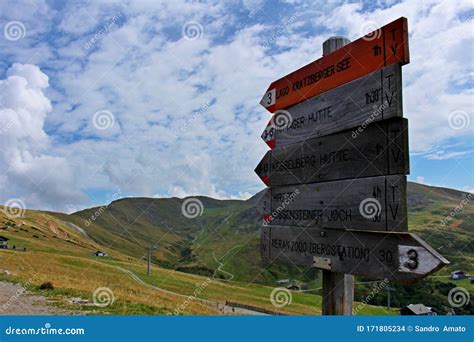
{"type": "Point", "coordinates": [100, 100]}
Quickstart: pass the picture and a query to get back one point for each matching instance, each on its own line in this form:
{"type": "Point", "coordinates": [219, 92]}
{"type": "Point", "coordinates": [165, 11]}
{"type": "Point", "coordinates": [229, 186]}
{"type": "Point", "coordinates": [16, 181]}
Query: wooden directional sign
{"type": "Point", "coordinates": [336, 169]}
{"type": "Point", "coordinates": [373, 203]}
{"type": "Point", "coordinates": [380, 149]}
{"type": "Point", "coordinates": [385, 46]}
{"type": "Point", "coordinates": [400, 257]}
{"type": "Point", "coordinates": [354, 105]}
{"type": "Point", "coordinates": [263, 205]}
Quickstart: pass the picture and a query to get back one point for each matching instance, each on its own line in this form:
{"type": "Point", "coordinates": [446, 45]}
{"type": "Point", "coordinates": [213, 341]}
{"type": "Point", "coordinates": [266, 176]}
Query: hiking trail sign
{"type": "Point", "coordinates": [396, 256]}
{"type": "Point", "coordinates": [371, 98]}
{"type": "Point", "coordinates": [374, 203]}
{"type": "Point", "coordinates": [385, 46]}
{"type": "Point", "coordinates": [380, 149]}
{"type": "Point", "coordinates": [337, 168]}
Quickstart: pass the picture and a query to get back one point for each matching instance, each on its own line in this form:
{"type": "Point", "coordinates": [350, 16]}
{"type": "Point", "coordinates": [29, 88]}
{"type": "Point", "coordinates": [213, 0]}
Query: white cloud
{"type": "Point", "coordinates": [154, 81]}
{"type": "Point", "coordinates": [443, 155]}
{"type": "Point", "coordinates": [41, 180]}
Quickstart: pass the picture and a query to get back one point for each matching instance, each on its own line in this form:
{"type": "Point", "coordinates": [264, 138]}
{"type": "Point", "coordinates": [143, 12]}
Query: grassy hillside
{"type": "Point", "coordinates": [221, 245]}
{"type": "Point", "coordinates": [226, 236]}
{"type": "Point", "coordinates": [60, 253]}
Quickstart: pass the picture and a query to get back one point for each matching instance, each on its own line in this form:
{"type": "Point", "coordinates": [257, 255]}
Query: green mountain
{"type": "Point", "coordinates": [216, 252]}
{"type": "Point", "coordinates": [225, 237]}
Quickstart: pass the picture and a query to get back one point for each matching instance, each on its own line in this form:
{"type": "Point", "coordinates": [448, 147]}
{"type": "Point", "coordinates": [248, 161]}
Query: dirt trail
{"type": "Point", "coordinates": [226, 309]}
{"type": "Point", "coordinates": [16, 300]}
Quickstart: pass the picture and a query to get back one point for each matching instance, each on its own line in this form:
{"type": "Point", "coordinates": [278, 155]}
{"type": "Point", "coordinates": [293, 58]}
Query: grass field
{"type": "Point", "coordinates": [55, 253]}
{"type": "Point", "coordinates": [214, 257]}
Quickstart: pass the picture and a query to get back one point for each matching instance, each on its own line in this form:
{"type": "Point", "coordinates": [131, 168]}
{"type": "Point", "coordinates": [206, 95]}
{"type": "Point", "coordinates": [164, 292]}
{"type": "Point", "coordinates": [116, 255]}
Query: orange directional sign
{"type": "Point", "coordinates": [385, 46]}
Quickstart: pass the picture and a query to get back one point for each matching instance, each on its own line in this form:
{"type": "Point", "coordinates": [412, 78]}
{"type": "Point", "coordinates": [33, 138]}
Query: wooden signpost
{"type": "Point", "coordinates": [336, 169]}
{"type": "Point", "coordinates": [358, 103]}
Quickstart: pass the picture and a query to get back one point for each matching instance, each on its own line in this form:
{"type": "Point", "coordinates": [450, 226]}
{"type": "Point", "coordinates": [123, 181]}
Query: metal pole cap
{"type": "Point", "coordinates": [334, 43]}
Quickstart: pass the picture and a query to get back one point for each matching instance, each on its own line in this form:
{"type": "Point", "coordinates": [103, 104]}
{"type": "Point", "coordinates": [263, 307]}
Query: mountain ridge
{"type": "Point", "coordinates": [197, 244]}
{"type": "Point", "coordinates": [221, 244]}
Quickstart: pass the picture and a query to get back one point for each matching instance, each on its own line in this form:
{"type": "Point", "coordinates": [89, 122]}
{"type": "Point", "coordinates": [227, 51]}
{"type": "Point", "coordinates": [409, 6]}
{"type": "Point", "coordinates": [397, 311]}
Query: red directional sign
{"type": "Point", "coordinates": [385, 46]}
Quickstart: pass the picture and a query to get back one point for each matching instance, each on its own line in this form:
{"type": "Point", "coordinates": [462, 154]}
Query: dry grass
{"type": "Point", "coordinates": [61, 255]}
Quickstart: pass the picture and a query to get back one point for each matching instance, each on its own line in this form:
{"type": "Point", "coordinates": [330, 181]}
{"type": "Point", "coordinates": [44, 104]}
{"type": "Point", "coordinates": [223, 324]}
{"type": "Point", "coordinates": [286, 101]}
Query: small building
{"type": "Point", "coordinates": [100, 254]}
{"type": "Point", "coordinates": [294, 287]}
{"type": "Point", "coordinates": [416, 310]}
{"type": "Point", "coordinates": [4, 242]}
{"type": "Point", "coordinates": [456, 275]}
{"type": "Point", "coordinates": [283, 281]}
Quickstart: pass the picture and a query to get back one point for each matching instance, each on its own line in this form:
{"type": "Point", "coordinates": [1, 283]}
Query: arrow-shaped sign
{"type": "Point", "coordinates": [379, 149]}
{"type": "Point", "coordinates": [371, 203]}
{"type": "Point", "coordinates": [385, 46]}
{"type": "Point", "coordinates": [401, 257]}
{"type": "Point", "coordinates": [368, 99]}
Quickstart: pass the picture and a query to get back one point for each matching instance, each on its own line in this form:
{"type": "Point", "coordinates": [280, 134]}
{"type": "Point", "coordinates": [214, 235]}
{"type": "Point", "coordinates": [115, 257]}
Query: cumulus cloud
{"type": "Point", "coordinates": [186, 114]}
{"type": "Point", "coordinates": [29, 173]}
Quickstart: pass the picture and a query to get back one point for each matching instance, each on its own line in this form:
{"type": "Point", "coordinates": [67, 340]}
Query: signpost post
{"type": "Point", "coordinates": [337, 168]}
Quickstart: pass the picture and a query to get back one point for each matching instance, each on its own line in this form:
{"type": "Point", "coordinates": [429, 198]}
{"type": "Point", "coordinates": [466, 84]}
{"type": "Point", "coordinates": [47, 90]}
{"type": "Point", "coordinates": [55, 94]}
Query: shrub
{"type": "Point", "coordinates": [47, 286]}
